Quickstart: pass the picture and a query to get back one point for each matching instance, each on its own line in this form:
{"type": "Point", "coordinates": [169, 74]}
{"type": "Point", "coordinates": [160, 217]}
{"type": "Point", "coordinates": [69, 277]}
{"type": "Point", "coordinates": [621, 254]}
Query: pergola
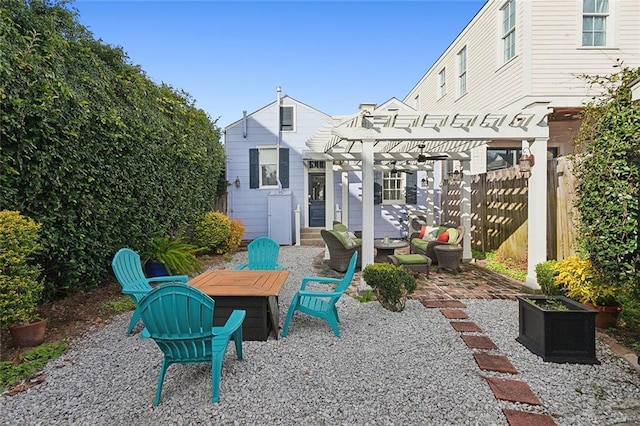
{"type": "Point", "coordinates": [372, 139]}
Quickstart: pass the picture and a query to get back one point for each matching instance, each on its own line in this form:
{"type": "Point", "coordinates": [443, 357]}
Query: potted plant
{"type": "Point", "coordinates": [583, 283]}
{"type": "Point", "coordinates": [170, 256]}
{"type": "Point", "coordinates": [20, 283]}
{"type": "Point", "coordinates": [557, 328]}
{"type": "Point", "coordinates": [391, 284]}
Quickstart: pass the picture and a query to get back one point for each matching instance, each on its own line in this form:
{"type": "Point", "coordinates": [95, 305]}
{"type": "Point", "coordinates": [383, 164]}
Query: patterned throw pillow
{"type": "Point", "coordinates": [431, 233]}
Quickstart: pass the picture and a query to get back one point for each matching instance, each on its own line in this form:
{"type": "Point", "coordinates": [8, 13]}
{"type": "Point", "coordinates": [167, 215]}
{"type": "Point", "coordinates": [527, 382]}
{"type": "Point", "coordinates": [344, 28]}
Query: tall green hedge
{"type": "Point", "coordinates": [91, 148]}
{"type": "Point", "coordinates": [608, 180]}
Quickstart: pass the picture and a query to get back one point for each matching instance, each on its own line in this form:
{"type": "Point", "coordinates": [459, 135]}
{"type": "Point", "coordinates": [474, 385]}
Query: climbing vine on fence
{"type": "Point", "coordinates": [608, 179]}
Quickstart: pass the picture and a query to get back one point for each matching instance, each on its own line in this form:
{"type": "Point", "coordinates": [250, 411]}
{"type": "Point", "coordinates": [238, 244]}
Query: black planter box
{"type": "Point", "coordinates": [558, 336]}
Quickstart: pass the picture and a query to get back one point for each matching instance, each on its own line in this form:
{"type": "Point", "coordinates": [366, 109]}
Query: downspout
{"type": "Point", "coordinates": [278, 90]}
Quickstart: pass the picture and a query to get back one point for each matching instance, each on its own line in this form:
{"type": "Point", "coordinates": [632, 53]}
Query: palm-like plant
{"type": "Point", "coordinates": [177, 256]}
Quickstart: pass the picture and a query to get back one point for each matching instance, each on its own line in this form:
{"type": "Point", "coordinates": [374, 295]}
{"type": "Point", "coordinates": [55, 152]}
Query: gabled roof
{"type": "Point", "coordinates": [235, 123]}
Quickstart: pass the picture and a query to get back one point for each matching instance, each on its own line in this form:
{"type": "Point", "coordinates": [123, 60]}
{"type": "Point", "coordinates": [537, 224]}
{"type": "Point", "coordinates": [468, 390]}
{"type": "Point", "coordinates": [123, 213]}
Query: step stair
{"type": "Point", "coordinates": [311, 237]}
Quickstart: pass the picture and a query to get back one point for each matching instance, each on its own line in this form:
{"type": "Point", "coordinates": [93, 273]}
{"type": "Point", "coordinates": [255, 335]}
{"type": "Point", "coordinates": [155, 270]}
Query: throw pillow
{"type": "Point", "coordinates": [444, 237]}
{"type": "Point", "coordinates": [348, 241]}
{"type": "Point", "coordinates": [453, 235]}
{"type": "Point", "coordinates": [422, 231]}
{"type": "Point", "coordinates": [431, 233]}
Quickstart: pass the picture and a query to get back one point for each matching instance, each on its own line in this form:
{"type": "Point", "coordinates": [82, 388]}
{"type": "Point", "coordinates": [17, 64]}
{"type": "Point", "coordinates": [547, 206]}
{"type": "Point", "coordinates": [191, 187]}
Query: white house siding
{"type": "Point", "coordinates": [549, 57]}
{"type": "Point", "coordinates": [490, 84]}
{"type": "Point", "coordinates": [558, 57]}
{"type": "Point", "coordinates": [251, 205]}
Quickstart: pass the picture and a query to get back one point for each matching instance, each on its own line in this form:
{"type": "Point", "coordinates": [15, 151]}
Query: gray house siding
{"type": "Point", "coordinates": [250, 205]}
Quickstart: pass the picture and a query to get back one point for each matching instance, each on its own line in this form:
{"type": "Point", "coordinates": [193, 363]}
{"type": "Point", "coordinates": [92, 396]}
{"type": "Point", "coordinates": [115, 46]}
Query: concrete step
{"type": "Point", "coordinates": [311, 237]}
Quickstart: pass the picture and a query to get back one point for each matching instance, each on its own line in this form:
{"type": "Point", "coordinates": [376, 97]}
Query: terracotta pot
{"type": "Point", "coordinates": [607, 315]}
{"type": "Point", "coordinates": [28, 335]}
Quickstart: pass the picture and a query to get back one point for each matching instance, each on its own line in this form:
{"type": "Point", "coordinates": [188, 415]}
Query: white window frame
{"type": "Point", "coordinates": [462, 71]}
{"type": "Point", "coordinates": [393, 184]}
{"type": "Point", "coordinates": [266, 154]}
{"type": "Point", "coordinates": [595, 14]}
{"type": "Point", "coordinates": [508, 31]}
{"type": "Point", "coordinates": [293, 118]}
{"type": "Point", "coordinates": [442, 82]}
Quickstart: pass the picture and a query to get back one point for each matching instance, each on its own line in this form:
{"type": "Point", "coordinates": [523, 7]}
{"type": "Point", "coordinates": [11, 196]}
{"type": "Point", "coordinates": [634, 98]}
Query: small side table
{"type": "Point", "coordinates": [385, 249]}
{"type": "Point", "coordinates": [449, 257]}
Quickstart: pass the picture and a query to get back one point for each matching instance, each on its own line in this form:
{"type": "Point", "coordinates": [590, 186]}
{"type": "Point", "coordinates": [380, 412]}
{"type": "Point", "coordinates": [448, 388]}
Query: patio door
{"type": "Point", "coordinates": [316, 200]}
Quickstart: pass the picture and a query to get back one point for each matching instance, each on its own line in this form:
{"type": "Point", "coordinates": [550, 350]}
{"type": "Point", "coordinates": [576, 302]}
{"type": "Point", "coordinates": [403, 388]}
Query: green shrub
{"type": "Point", "coordinates": [546, 276]}
{"type": "Point", "coordinates": [20, 283]}
{"type": "Point", "coordinates": [390, 283]}
{"type": "Point", "coordinates": [213, 232]}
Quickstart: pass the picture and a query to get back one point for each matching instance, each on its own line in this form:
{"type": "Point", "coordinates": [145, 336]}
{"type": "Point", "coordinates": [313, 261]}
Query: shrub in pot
{"type": "Point", "coordinates": [20, 283]}
{"type": "Point", "coordinates": [546, 277]}
{"type": "Point", "coordinates": [174, 254]}
{"type": "Point", "coordinates": [391, 284]}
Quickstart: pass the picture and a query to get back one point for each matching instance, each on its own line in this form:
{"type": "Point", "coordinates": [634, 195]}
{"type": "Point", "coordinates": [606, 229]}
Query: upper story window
{"type": "Point", "coordinates": [287, 119]}
{"type": "Point", "coordinates": [416, 102]}
{"type": "Point", "coordinates": [393, 187]}
{"type": "Point", "coordinates": [442, 82]}
{"type": "Point", "coordinates": [594, 22]}
{"type": "Point", "coordinates": [509, 30]}
{"type": "Point", "coordinates": [462, 71]}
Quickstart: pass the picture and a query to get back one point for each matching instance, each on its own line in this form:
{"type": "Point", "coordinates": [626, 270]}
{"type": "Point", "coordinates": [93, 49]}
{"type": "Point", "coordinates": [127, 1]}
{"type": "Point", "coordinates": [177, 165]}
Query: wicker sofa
{"type": "Point", "coordinates": [427, 248]}
{"type": "Point", "coordinates": [339, 255]}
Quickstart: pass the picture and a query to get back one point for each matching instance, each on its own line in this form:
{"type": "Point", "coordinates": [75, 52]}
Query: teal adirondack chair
{"type": "Point", "coordinates": [128, 271]}
{"type": "Point", "coordinates": [263, 255]}
{"type": "Point", "coordinates": [321, 304]}
{"type": "Point", "coordinates": [179, 318]}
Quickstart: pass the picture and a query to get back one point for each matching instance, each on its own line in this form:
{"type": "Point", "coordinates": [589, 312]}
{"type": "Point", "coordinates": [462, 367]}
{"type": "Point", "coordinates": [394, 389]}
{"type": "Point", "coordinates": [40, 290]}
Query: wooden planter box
{"type": "Point", "coordinates": [558, 336]}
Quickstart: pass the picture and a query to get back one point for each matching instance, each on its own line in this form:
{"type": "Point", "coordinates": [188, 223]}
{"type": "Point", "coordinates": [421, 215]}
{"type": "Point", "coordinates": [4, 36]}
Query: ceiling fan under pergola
{"type": "Point", "coordinates": [422, 157]}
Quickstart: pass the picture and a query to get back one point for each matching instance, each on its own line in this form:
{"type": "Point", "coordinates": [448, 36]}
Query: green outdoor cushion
{"type": "Point", "coordinates": [420, 243]}
{"type": "Point", "coordinates": [441, 230]}
{"type": "Point", "coordinates": [410, 259]}
{"type": "Point", "coordinates": [340, 227]}
{"type": "Point", "coordinates": [344, 238]}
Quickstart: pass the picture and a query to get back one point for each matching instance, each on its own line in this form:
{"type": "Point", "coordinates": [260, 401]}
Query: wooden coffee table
{"type": "Point", "coordinates": [254, 291]}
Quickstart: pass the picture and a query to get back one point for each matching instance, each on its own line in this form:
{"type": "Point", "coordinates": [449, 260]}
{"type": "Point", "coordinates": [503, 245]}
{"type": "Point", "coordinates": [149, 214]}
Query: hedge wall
{"type": "Point", "coordinates": [91, 148]}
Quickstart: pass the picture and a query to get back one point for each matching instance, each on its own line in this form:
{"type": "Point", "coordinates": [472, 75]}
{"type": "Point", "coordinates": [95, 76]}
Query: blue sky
{"type": "Point", "coordinates": [231, 55]}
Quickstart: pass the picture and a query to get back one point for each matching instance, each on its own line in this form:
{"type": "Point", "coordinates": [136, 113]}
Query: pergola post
{"type": "Point", "coordinates": [367, 206]}
{"type": "Point", "coordinates": [345, 198]}
{"type": "Point", "coordinates": [537, 211]}
{"type": "Point", "coordinates": [465, 209]}
{"type": "Point", "coordinates": [329, 196]}
{"type": "Point", "coordinates": [429, 202]}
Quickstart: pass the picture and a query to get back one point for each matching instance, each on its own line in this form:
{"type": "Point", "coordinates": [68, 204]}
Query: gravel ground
{"type": "Point", "coordinates": [387, 369]}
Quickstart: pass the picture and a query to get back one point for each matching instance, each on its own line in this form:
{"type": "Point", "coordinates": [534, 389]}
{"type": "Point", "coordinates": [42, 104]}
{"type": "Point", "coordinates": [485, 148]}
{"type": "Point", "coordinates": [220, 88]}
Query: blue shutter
{"type": "Point", "coordinates": [377, 187]}
{"type": "Point", "coordinates": [411, 188]}
{"type": "Point", "coordinates": [254, 168]}
{"type": "Point", "coordinates": [284, 167]}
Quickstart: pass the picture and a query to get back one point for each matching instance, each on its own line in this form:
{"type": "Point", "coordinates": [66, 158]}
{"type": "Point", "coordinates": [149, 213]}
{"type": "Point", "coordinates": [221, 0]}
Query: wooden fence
{"type": "Point", "coordinates": [499, 201]}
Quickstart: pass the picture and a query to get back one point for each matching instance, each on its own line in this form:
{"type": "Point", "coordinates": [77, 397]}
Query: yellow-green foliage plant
{"type": "Point", "coordinates": [583, 282]}
{"type": "Point", "coordinates": [20, 283]}
{"type": "Point", "coordinates": [235, 237]}
{"type": "Point", "coordinates": [212, 232]}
